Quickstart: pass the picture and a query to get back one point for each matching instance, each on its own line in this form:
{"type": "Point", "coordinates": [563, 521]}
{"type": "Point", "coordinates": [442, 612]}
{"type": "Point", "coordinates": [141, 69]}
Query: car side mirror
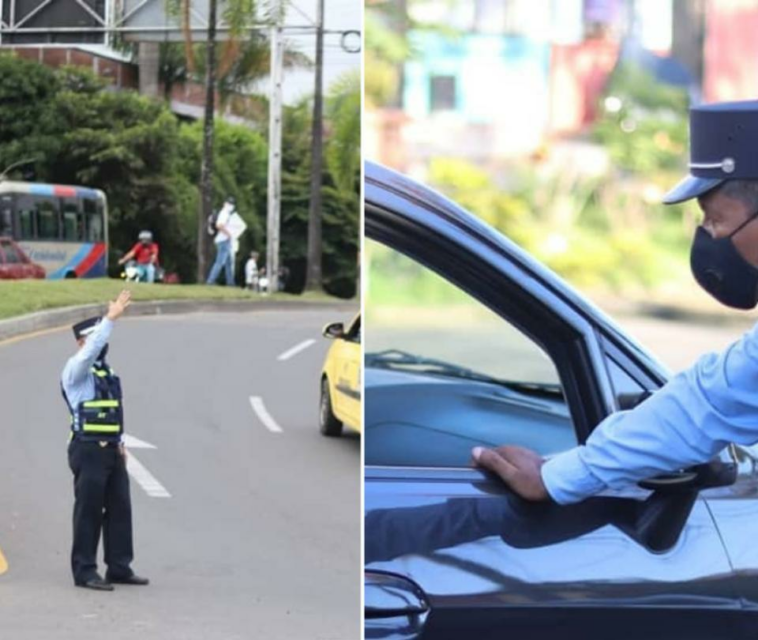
{"type": "Point", "coordinates": [334, 330]}
{"type": "Point", "coordinates": [701, 476]}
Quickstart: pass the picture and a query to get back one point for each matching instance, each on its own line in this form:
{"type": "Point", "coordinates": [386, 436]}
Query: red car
{"type": "Point", "coordinates": [15, 264]}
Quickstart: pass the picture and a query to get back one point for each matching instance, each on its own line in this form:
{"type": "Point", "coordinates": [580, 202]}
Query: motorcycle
{"type": "Point", "coordinates": [132, 273]}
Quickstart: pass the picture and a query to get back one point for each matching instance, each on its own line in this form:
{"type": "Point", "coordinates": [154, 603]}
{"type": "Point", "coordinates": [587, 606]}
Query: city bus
{"type": "Point", "coordinates": [62, 228]}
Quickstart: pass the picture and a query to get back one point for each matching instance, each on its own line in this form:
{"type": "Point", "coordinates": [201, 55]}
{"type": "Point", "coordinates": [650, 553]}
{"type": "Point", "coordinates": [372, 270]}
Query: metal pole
{"type": "Point", "coordinates": [206, 168]}
{"type": "Point", "coordinates": [275, 156]}
{"type": "Point", "coordinates": [314, 279]}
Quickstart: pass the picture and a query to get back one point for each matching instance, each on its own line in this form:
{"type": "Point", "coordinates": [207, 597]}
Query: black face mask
{"type": "Point", "coordinates": [102, 354]}
{"type": "Point", "coordinates": [720, 269]}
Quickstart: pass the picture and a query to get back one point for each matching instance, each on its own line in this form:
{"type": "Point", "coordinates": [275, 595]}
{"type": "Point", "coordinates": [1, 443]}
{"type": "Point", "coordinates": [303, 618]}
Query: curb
{"type": "Point", "coordinates": [66, 316]}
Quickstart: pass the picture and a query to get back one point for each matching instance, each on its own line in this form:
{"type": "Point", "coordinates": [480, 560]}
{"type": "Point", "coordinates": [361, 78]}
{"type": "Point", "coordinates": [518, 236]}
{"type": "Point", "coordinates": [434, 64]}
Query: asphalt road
{"type": "Point", "coordinates": [260, 537]}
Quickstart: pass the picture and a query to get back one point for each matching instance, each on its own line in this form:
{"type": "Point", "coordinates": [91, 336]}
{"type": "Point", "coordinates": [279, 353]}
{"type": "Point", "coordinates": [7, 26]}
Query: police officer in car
{"type": "Point", "coordinates": [714, 403]}
{"type": "Point", "coordinates": [97, 457]}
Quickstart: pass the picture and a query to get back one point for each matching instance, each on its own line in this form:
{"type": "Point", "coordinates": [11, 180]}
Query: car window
{"type": "Point", "coordinates": [25, 222]}
{"type": "Point", "coordinates": [628, 391]}
{"type": "Point", "coordinates": [6, 216]}
{"type": "Point", "coordinates": [94, 213]}
{"type": "Point", "coordinates": [444, 373]}
{"type": "Point", "coordinates": [12, 256]}
{"type": "Point", "coordinates": [72, 220]}
{"type": "Point", "coordinates": [354, 332]}
{"type": "Point", "coordinates": [47, 219]}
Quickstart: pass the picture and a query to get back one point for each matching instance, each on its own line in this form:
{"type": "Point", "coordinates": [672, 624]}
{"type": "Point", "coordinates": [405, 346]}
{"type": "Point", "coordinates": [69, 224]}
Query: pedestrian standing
{"type": "Point", "coordinates": [223, 242]}
{"type": "Point", "coordinates": [97, 457]}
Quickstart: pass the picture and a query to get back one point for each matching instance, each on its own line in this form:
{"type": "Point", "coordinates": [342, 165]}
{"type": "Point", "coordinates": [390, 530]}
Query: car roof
{"type": "Point", "coordinates": [437, 205]}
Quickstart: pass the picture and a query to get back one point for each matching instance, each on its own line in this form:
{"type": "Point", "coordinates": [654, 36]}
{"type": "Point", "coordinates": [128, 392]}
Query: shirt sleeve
{"type": "Point", "coordinates": [688, 421]}
{"type": "Point", "coordinates": [80, 364]}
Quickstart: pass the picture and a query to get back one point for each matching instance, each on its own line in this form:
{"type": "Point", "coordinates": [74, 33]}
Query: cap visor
{"type": "Point", "coordinates": [691, 187]}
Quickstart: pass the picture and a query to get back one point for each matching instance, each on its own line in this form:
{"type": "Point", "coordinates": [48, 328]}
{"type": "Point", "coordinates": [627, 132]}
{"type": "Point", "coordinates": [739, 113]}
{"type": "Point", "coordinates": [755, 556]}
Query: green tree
{"type": "Point", "coordinates": [237, 15]}
{"type": "Point", "coordinates": [343, 147]}
{"type": "Point", "coordinates": [240, 162]}
{"type": "Point", "coordinates": [148, 164]}
{"type": "Point", "coordinates": [341, 213]}
{"type": "Point", "coordinates": [25, 91]}
{"type": "Point", "coordinates": [119, 142]}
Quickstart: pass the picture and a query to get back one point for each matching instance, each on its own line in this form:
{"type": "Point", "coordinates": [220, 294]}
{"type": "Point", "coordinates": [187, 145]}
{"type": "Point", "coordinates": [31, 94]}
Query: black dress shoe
{"type": "Point", "coordinates": [96, 583]}
{"type": "Point", "coordinates": [132, 579]}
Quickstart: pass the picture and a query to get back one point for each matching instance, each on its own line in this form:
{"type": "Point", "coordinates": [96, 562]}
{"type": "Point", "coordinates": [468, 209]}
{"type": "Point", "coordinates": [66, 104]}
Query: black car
{"type": "Point", "coordinates": [514, 355]}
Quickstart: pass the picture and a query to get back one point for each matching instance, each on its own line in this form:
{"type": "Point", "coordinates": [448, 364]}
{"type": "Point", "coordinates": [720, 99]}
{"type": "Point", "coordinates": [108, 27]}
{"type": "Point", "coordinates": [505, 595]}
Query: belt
{"type": "Point", "coordinates": [76, 437]}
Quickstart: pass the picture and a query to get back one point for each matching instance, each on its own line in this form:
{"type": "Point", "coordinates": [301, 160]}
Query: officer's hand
{"type": "Point", "coordinates": [518, 467]}
{"type": "Point", "coordinates": [122, 450]}
{"type": "Point", "coordinates": [117, 307]}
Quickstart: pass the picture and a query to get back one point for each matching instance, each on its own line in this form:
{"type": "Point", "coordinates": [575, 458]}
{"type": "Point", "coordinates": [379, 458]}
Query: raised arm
{"type": "Point", "coordinates": [83, 360]}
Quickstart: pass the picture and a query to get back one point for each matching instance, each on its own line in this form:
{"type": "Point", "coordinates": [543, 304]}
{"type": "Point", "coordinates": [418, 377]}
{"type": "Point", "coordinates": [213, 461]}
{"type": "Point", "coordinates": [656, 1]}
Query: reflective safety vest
{"type": "Point", "coordinates": [101, 418]}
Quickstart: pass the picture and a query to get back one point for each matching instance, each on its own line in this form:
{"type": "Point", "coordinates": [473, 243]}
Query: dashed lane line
{"type": "Point", "coordinates": [263, 415]}
{"type": "Point", "coordinates": [144, 478]}
{"type": "Point", "coordinates": [296, 349]}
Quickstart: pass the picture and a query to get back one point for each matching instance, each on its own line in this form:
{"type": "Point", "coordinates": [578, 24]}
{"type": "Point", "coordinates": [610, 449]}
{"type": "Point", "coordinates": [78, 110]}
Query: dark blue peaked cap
{"type": "Point", "coordinates": [85, 327]}
{"type": "Point", "coordinates": [723, 146]}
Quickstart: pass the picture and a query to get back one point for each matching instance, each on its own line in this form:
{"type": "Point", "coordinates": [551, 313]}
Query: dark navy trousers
{"type": "Point", "coordinates": [102, 504]}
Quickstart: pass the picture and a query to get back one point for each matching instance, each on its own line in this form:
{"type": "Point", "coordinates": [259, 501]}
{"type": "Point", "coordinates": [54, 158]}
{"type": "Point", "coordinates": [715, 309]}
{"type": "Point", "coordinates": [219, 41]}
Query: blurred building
{"type": "Point", "coordinates": [731, 50]}
{"type": "Point", "coordinates": [503, 78]}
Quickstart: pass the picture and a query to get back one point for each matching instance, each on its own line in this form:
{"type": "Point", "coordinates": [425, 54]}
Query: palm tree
{"type": "Point", "coordinates": [238, 16]}
{"type": "Point", "coordinates": [343, 147]}
{"type": "Point", "coordinates": [343, 111]}
{"type": "Point", "coordinates": [251, 63]}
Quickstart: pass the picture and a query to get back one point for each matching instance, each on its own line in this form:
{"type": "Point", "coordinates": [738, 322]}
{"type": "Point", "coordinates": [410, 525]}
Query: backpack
{"type": "Point", "coordinates": [211, 223]}
{"type": "Point", "coordinates": [213, 218]}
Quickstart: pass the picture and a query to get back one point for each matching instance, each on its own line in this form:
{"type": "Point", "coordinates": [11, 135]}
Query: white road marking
{"type": "Point", "coordinates": [296, 349]}
{"type": "Point", "coordinates": [263, 415]}
{"type": "Point", "coordinates": [135, 443]}
{"type": "Point", "coordinates": [137, 470]}
{"type": "Point", "coordinates": [145, 479]}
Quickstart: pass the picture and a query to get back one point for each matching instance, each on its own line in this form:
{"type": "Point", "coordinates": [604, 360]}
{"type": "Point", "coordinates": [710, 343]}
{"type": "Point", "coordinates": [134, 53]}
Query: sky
{"type": "Point", "coordinates": [338, 15]}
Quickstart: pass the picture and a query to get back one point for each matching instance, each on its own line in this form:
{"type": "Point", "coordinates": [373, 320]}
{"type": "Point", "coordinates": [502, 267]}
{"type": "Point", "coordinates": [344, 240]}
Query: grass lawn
{"type": "Point", "coordinates": [18, 297]}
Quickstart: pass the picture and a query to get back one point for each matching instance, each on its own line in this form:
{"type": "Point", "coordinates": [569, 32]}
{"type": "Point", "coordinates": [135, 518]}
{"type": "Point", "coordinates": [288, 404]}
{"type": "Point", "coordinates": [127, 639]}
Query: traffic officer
{"type": "Point", "coordinates": [97, 457]}
{"type": "Point", "coordinates": [715, 403]}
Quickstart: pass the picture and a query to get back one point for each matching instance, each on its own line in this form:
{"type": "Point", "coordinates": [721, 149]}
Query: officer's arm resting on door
{"type": "Point", "coordinates": [80, 364]}
{"type": "Point", "coordinates": [691, 419]}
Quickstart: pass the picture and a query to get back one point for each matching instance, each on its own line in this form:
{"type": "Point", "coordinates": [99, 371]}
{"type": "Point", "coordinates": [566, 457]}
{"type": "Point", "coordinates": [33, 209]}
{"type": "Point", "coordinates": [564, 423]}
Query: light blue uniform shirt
{"type": "Point", "coordinates": [77, 377]}
{"type": "Point", "coordinates": [688, 421]}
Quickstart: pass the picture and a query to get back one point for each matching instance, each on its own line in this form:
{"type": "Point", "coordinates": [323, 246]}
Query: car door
{"type": "Point", "coordinates": [349, 380]}
{"type": "Point", "coordinates": [735, 510]}
{"type": "Point", "coordinates": [4, 269]}
{"type": "Point", "coordinates": [449, 551]}
{"type": "Point", "coordinates": [15, 262]}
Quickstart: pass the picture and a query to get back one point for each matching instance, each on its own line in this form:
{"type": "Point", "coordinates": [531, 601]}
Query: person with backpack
{"type": "Point", "coordinates": [218, 224]}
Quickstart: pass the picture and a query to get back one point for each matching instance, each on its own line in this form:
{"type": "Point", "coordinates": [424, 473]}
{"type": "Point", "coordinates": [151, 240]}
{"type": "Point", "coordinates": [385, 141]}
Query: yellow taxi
{"type": "Point", "coordinates": [340, 402]}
